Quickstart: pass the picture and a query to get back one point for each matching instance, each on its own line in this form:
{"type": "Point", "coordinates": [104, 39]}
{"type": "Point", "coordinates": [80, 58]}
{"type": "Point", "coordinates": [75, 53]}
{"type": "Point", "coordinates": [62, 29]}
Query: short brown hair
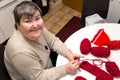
{"type": "Point", "coordinates": [25, 8]}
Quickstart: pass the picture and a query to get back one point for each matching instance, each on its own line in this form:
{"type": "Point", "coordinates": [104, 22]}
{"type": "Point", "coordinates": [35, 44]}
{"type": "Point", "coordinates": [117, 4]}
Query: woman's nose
{"type": "Point", "coordinates": [34, 24]}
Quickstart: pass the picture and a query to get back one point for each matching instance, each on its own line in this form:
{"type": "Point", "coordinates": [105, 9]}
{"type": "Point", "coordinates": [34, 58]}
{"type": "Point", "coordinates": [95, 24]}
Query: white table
{"type": "Point", "coordinates": [73, 42]}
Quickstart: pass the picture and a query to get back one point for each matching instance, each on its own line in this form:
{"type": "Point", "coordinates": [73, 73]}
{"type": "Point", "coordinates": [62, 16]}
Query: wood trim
{"type": "Point", "coordinates": [75, 4]}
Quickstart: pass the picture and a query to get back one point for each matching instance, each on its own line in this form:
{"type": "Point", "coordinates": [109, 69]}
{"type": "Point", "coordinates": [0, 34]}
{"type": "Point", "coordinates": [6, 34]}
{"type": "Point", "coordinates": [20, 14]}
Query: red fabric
{"type": "Point", "coordinates": [72, 26]}
{"type": "Point", "coordinates": [100, 51]}
{"type": "Point", "coordinates": [114, 45]}
{"type": "Point", "coordinates": [100, 38]}
{"type": "Point", "coordinates": [112, 68]}
{"type": "Point", "coordinates": [80, 78]}
{"type": "Point", "coordinates": [100, 78]}
{"type": "Point", "coordinates": [85, 46]}
{"type": "Point", "coordinates": [99, 73]}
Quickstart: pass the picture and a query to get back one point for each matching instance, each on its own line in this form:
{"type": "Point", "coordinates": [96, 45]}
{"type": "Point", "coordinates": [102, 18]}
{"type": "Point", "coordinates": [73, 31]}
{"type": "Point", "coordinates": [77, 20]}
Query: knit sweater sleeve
{"type": "Point", "coordinates": [34, 70]}
{"type": "Point", "coordinates": [55, 43]}
{"type": "Point", "coordinates": [23, 63]}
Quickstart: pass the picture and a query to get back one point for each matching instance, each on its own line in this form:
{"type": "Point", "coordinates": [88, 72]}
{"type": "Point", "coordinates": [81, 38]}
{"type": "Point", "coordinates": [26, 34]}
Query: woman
{"type": "Point", "coordinates": [28, 49]}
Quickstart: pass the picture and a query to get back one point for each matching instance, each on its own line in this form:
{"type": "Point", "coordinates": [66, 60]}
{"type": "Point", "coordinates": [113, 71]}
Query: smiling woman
{"type": "Point", "coordinates": [27, 52]}
{"type": "Point", "coordinates": [31, 28]}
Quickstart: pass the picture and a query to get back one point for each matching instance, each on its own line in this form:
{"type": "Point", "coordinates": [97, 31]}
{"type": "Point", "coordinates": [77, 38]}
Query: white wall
{"type": "Point", "coordinates": [7, 19]}
{"type": "Point", "coordinates": [114, 11]}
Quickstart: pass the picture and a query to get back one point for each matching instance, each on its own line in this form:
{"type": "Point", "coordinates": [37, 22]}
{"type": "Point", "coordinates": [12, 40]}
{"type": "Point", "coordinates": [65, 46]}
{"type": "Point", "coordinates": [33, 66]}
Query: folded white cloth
{"type": "Point", "coordinates": [94, 19]}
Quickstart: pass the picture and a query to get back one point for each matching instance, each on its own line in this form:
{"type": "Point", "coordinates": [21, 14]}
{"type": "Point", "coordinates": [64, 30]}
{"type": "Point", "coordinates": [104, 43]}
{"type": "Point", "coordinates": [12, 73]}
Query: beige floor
{"type": "Point", "coordinates": [58, 15]}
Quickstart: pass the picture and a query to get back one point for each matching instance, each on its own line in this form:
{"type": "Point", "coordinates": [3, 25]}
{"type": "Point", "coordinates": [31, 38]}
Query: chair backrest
{"type": "Point", "coordinates": [94, 6]}
{"type": "Point", "coordinates": [119, 21]}
{"type": "Point", "coordinates": [3, 71]}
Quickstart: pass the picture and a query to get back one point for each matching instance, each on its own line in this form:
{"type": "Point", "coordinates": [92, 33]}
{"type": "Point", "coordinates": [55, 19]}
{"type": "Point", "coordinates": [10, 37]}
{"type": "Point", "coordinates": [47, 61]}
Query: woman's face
{"type": "Point", "coordinates": [31, 28]}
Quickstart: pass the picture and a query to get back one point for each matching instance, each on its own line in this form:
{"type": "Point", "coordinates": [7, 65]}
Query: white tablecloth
{"type": "Point", "coordinates": [73, 42]}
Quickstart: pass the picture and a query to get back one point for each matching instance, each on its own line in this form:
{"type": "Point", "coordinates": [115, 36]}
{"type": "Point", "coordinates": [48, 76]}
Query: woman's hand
{"type": "Point", "coordinates": [72, 67]}
{"type": "Point", "coordinates": [72, 56]}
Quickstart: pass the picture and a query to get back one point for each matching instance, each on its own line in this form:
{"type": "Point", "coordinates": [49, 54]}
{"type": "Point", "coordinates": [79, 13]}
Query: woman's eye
{"type": "Point", "coordinates": [28, 21]}
{"type": "Point", "coordinates": [37, 18]}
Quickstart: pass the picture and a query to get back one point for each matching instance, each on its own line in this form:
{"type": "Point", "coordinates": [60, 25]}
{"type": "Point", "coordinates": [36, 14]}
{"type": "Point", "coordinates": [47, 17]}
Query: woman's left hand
{"type": "Point", "coordinates": [72, 56]}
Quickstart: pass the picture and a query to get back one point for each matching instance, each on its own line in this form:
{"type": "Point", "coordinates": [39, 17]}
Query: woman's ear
{"type": "Point", "coordinates": [16, 26]}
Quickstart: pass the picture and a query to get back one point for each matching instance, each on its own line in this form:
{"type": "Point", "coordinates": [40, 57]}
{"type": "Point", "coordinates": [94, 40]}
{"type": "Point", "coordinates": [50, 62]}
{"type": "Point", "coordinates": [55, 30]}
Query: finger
{"type": "Point", "coordinates": [81, 56]}
{"type": "Point", "coordinates": [77, 57]}
{"type": "Point", "coordinates": [76, 64]}
{"type": "Point", "coordinates": [73, 61]}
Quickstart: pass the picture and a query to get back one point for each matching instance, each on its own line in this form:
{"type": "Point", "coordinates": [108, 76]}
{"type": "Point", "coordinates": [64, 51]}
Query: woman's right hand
{"type": "Point", "coordinates": [72, 67]}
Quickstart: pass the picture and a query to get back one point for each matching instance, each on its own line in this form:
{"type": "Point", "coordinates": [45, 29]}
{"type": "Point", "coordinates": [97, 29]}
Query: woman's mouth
{"type": "Point", "coordinates": [36, 29]}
